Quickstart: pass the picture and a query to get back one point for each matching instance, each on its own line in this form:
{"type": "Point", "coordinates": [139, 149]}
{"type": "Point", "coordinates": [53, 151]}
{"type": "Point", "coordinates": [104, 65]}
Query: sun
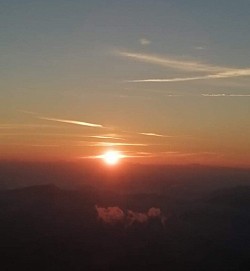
{"type": "Point", "coordinates": [112, 157]}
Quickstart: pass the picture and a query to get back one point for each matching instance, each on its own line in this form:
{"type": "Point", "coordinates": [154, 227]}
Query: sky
{"type": "Point", "coordinates": [160, 81]}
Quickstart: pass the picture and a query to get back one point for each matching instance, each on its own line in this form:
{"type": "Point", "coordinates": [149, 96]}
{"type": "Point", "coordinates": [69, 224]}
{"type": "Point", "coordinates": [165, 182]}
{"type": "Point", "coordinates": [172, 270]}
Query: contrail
{"type": "Point", "coordinates": [106, 137]}
{"type": "Point", "coordinates": [173, 63]}
{"type": "Point", "coordinates": [225, 95]}
{"type": "Point", "coordinates": [82, 123]}
{"type": "Point", "coordinates": [228, 74]}
{"type": "Point", "coordinates": [110, 144]}
{"type": "Point", "coordinates": [153, 134]}
{"type": "Point", "coordinates": [88, 124]}
{"type": "Point", "coordinates": [214, 72]}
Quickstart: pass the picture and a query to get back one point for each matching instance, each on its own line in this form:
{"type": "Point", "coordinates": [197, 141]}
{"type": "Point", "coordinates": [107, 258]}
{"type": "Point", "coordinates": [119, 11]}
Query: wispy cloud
{"type": "Point", "coordinates": [228, 74]}
{"type": "Point", "coordinates": [153, 134]}
{"type": "Point", "coordinates": [31, 145]}
{"type": "Point", "coordinates": [76, 122]}
{"type": "Point", "coordinates": [208, 95]}
{"type": "Point", "coordinates": [124, 154]}
{"type": "Point", "coordinates": [172, 154]}
{"type": "Point", "coordinates": [190, 66]}
{"type": "Point", "coordinates": [148, 134]}
{"type": "Point", "coordinates": [109, 144]}
{"type": "Point", "coordinates": [225, 95]}
{"type": "Point", "coordinates": [44, 145]}
{"type": "Point", "coordinates": [184, 154]}
{"type": "Point", "coordinates": [14, 126]}
{"type": "Point", "coordinates": [27, 112]}
{"type": "Point", "coordinates": [199, 47]}
{"type": "Point", "coordinates": [107, 137]}
{"type": "Point", "coordinates": [144, 41]}
{"type": "Point", "coordinates": [81, 123]}
{"type": "Point", "coordinates": [214, 72]}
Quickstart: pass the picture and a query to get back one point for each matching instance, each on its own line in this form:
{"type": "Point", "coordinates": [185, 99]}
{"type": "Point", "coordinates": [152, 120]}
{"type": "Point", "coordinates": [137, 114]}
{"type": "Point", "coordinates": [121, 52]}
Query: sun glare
{"type": "Point", "coordinates": [112, 157]}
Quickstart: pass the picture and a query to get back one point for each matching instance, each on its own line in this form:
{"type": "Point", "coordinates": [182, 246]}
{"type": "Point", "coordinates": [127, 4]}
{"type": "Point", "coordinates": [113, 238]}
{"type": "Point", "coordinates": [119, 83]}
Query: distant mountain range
{"type": "Point", "coordinates": [44, 227]}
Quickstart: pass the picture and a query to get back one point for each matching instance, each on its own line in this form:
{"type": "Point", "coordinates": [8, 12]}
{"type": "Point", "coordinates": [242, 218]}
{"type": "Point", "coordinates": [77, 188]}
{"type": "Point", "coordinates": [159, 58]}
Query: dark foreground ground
{"type": "Point", "coordinates": [199, 227]}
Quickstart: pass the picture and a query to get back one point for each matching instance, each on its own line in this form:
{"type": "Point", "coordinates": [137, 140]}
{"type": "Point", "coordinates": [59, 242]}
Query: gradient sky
{"type": "Point", "coordinates": [166, 81]}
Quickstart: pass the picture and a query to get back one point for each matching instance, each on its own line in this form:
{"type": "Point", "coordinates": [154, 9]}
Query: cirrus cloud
{"type": "Point", "coordinates": [213, 71]}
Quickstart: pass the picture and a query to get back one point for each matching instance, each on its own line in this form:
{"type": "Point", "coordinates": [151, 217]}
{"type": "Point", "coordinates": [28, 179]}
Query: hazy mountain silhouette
{"type": "Point", "coordinates": [44, 227]}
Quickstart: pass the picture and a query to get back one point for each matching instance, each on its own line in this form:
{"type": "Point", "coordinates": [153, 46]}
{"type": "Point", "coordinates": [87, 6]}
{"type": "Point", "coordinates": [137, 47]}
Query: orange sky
{"type": "Point", "coordinates": [157, 82]}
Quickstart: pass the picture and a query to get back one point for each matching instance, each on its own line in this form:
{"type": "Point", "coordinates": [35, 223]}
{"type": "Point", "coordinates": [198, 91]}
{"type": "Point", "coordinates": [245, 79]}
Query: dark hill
{"type": "Point", "coordinates": [49, 228]}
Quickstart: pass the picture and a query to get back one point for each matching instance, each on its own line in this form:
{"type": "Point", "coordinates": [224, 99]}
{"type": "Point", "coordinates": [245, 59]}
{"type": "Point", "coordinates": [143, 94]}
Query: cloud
{"type": "Point", "coordinates": [33, 145]}
{"type": "Point", "coordinates": [25, 126]}
{"type": "Point", "coordinates": [94, 125]}
{"type": "Point", "coordinates": [154, 212]}
{"type": "Point", "coordinates": [157, 213]}
{"type": "Point", "coordinates": [225, 95]}
{"type": "Point", "coordinates": [116, 216]}
{"type": "Point", "coordinates": [214, 72]}
{"type": "Point", "coordinates": [136, 217]}
{"type": "Point", "coordinates": [82, 123]}
{"type": "Point", "coordinates": [159, 154]}
{"type": "Point", "coordinates": [190, 66]}
{"type": "Point", "coordinates": [44, 145]}
{"type": "Point", "coordinates": [209, 95]}
{"type": "Point", "coordinates": [121, 156]}
{"type": "Point", "coordinates": [228, 74]}
{"type": "Point", "coordinates": [110, 215]}
{"type": "Point", "coordinates": [153, 134]}
{"type": "Point", "coordinates": [144, 41]}
{"type": "Point", "coordinates": [27, 112]}
{"type": "Point", "coordinates": [107, 137]}
{"type": "Point", "coordinates": [110, 144]}
{"type": "Point", "coordinates": [190, 154]}
{"type": "Point", "coordinates": [199, 47]}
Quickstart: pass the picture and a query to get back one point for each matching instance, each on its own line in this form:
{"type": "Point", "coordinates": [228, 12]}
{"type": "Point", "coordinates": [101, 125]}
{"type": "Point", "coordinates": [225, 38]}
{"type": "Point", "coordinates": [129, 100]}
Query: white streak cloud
{"type": "Point", "coordinates": [173, 63]}
{"type": "Point", "coordinates": [25, 126]}
{"type": "Point", "coordinates": [107, 137]}
{"type": "Point", "coordinates": [153, 134]}
{"type": "Point", "coordinates": [225, 95]}
{"type": "Point", "coordinates": [228, 74]}
{"type": "Point", "coordinates": [214, 72]}
{"type": "Point", "coordinates": [110, 144]}
{"type": "Point", "coordinates": [81, 123]}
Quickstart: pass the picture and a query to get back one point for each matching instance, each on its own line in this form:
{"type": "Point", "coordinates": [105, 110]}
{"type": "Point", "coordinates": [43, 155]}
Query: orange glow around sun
{"type": "Point", "coordinates": [112, 157]}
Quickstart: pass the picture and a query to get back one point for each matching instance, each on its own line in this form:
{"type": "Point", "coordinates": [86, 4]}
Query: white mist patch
{"type": "Point", "coordinates": [110, 215]}
{"type": "Point", "coordinates": [115, 216]}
